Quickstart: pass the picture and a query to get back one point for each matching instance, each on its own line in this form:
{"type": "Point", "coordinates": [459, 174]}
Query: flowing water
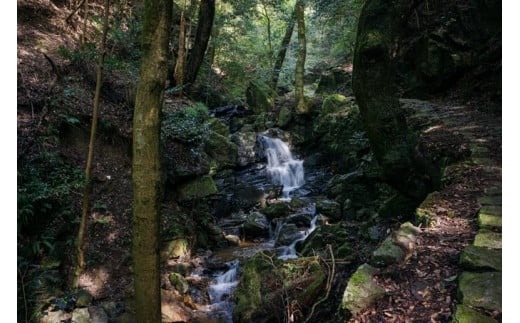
{"type": "Point", "coordinates": [282, 168]}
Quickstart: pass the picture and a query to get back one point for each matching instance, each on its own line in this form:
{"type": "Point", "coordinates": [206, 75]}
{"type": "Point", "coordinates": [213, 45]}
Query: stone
{"type": "Point", "coordinates": [465, 314]}
{"type": "Point", "coordinates": [97, 314]}
{"type": "Point", "coordinates": [490, 200]}
{"type": "Point", "coordinates": [288, 233]}
{"type": "Point", "coordinates": [277, 210]}
{"type": "Point", "coordinates": [256, 225]}
{"type": "Point", "coordinates": [83, 298]}
{"type": "Point", "coordinates": [361, 291]}
{"type": "Point", "coordinates": [221, 150]}
{"type": "Point", "coordinates": [480, 258]}
{"type": "Point", "coordinates": [387, 254]}
{"type": "Point", "coordinates": [488, 239]}
{"type": "Point", "coordinates": [232, 239]}
{"type": "Point", "coordinates": [334, 103]}
{"type": "Point", "coordinates": [488, 221]}
{"type": "Point", "coordinates": [178, 282]}
{"type": "Point", "coordinates": [54, 316]}
{"type": "Point", "coordinates": [175, 249]}
{"type": "Point", "coordinates": [317, 241]}
{"type": "Point", "coordinates": [246, 147]}
{"type": "Point", "coordinates": [216, 125]}
{"type": "Point", "coordinates": [406, 236]}
{"type": "Point", "coordinates": [112, 309]}
{"type": "Point", "coordinates": [172, 308]}
{"type": "Point", "coordinates": [196, 189]}
{"type": "Point", "coordinates": [491, 210]}
{"type": "Point", "coordinates": [482, 290]}
{"type": "Point", "coordinates": [284, 117]}
{"type": "Point", "coordinates": [81, 315]}
{"type": "Point", "coordinates": [330, 209]}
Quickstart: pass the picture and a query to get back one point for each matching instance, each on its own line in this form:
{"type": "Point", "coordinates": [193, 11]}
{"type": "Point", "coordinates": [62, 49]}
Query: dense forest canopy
{"type": "Point", "coordinates": [259, 161]}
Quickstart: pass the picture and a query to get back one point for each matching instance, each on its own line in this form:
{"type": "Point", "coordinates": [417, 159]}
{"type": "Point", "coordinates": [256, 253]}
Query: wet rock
{"type": "Point", "coordinates": [317, 241]}
{"type": "Point", "coordinates": [256, 225]}
{"type": "Point", "coordinates": [482, 290]}
{"type": "Point", "coordinates": [361, 290]}
{"type": "Point", "coordinates": [277, 210]}
{"type": "Point", "coordinates": [288, 233]}
{"type": "Point", "coordinates": [480, 258]}
{"type": "Point", "coordinates": [222, 151]}
{"type": "Point", "coordinates": [301, 220]}
{"type": "Point", "coordinates": [387, 254]}
{"type": "Point", "coordinates": [232, 239]}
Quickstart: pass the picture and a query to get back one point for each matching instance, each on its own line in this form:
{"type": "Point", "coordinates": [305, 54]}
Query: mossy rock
{"type": "Point", "coordinates": [256, 225]}
{"type": "Point", "coordinates": [491, 210]}
{"type": "Point", "coordinates": [216, 125]}
{"type": "Point", "coordinates": [406, 235]}
{"type": "Point", "coordinates": [316, 243]}
{"type": "Point", "coordinates": [83, 298]}
{"type": "Point", "coordinates": [221, 150]}
{"type": "Point", "coordinates": [175, 249]}
{"type": "Point", "coordinates": [361, 290]}
{"type": "Point", "coordinates": [330, 209]}
{"type": "Point", "coordinates": [488, 221]}
{"type": "Point", "coordinates": [334, 103]}
{"type": "Point", "coordinates": [178, 282]}
{"type": "Point", "coordinates": [488, 239]}
{"type": "Point", "coordinates": [285, 115]}
{"type": "Point", "coordinates": [277, 210]}
{"type": "Point", "coordinates": [490, 200]}
{"type": "Point", "coordinates": [481, 290]}
{"type": "Point", "coordinates": [480, 258]}
{"type": "Point", "coordinates": [387, 254]}
{"type": "Point", "coordinates": [196, 189]}
{"type": "Point", "coordinates": [465, 314]}
{"type": "Point", "coordinates": [260, 97]}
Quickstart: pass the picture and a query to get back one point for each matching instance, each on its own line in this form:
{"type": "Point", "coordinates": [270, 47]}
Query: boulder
{"type": "Point", "coordinates": [81, 315]}
{"type": "Point", "coordinates": [216, 125]}
{"type": "Point", "coordinates": [221, 150]}
{"type": "Point", "coordinates": [361, 291]}
{"type": "Point", "coordinates": [285, 115]}
{"type": "Point", "coordinates": [173, 309]}
{"type": "Point", "coordinates": [480, 258]}
{"type": "Point", "coordinates": [465, 314]}
{"type": "Point", "coordinates": [330, 209]}
{"type": "Point", "coordinates": [482, 290]}
{"type": "Point", "coordinates": [196, 189]}
{"type": "Point", "coordinates": [335, 103]}
{"type": "Point", "coordinates": [256, 225]}
{"type": "Point", "coordinates": [316, 243]}
{"type": "Point", "coordinates": [178, 282]}
{"type": "Point", "coordinates": [276, 210]}
{"type": "Point", "coordinates": [246, 147]}
{"type": "Point", "coordinates": [387, 254]}
{"type": "Point", "coordinates": [175, 249]}
{"type": "Point", "coordinates": [288, 234]}
{"type": "Point", "coordinates": [488, 239]}
{"type": "Point", "coordinates": [337, 79]}
{"type": "Point", "coordinates": [83, 298]}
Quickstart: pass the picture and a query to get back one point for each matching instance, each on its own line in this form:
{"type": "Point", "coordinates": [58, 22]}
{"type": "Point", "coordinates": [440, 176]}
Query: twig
{"type": "Point", "coordinates": [330, 278]}
{"type": "Point", "coordinates": [74, 11]}
{"type": "Point", "coordinates": [22, 283]}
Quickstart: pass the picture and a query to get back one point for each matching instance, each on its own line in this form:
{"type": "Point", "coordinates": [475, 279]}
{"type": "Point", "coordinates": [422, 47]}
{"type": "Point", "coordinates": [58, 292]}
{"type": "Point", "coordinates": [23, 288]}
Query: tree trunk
{"type": "Point", "coordinates": [196, 57]}
{"type": "Point", "coordinates": [181, 54]}
{"type": "Point", "coordinates": [146, 172]}
{"type": "Point", "coordinates": [283, 50]}
{"type": "Point", "coordinates": [268, 20]}
{"type": "Point", "coordinates": [301, 106]}
{"type": "Point", "coordinates": [85, 18]}
{"type": "Point", "coordinates": [80, 242]}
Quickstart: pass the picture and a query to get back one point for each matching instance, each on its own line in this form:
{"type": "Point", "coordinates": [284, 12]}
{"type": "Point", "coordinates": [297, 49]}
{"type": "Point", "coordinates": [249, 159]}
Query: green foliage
{"type": "Point", "coordinates": [186, 124]}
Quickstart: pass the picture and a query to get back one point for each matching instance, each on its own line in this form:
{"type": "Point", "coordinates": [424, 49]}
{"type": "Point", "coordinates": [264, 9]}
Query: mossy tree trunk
{"type": "Point", "coordinates": [301, 106]}
{"type": "Point", "coordinates": [283, 50]}
{"type": "Point", "coordinates": [80, 240]}
{"type": "Point", "coordinates": [181, 55]}
{"type": "Point", "coordinates": [196, 56]}
{"type": "Point", "coordinates": [146, 172]}
{"type": "Point", "coordinates": [374, 85]}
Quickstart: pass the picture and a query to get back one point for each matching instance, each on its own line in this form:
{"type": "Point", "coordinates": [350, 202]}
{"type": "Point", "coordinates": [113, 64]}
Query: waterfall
{"type": "Point", "coordinates": [220, 290]}
{"type": "Point", "coordinates": [289, 252]}
{"type": "Point", "coordinates": [282, 168]}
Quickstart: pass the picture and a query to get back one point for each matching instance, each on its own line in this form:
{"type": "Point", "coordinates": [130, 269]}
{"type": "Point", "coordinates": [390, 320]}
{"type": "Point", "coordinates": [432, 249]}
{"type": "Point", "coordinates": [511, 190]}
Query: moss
{"type": "Point", "coordinates": [260, 97]}
{"type": "Point", "coordinates": [387, 254]}
{"type": "Point", "coordinates": [218, 126]}
{"type": "Point", "coordinates": [488, 221]}
{"type": "Point", "coordinates": [284, 117]}
{"type": "Point", "coordinates": [197, 188]}
{"type": "Point", "coordinates": [479, 258]}
{"type": "Point", "coordinates": [333, 103]}
{"type": "Point", "coordinates": [487, 239]}
{"type": "Point", "coordinates": [482, 290]}
{"type": "Point", "coordinates": [465, 314]}
{"type": "Point", "coordinates": [278, 210]}
{"type": "Point", "coordinates": [361, 291]}
{"type": "Point", "coordinates": [220, 148]}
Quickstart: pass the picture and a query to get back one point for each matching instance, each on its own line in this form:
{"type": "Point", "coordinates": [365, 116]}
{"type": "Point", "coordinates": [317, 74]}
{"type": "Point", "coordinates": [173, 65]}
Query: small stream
{"type": "Point", "coordinates": [281, 169]}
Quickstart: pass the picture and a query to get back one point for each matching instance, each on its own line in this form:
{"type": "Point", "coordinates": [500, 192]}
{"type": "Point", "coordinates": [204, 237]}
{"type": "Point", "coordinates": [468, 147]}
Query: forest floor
{"type": "Point", "coordinates": [424, 288]}
{"type": "Point", "coordinates": [420, 290]}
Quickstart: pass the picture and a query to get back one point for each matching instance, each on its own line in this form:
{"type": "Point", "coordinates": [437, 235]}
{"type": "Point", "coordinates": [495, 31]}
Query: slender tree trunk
{"type": "Point", "coordinates": [85, 18]}
{"type": "Point", "coordinates": [268, 20]}
{"type": "Point", "coordinates": [146, 172]}
{"type": "Point", "coordinates": [80, 242]}
{"type": "Point", "coordinates": [283, 50]}
{"type": "Point", "coordinates": [181, 54]}
{"type": "Point", "coordinates": [301, 106]}
{"type": "Point", "coordinates": [196, 57]}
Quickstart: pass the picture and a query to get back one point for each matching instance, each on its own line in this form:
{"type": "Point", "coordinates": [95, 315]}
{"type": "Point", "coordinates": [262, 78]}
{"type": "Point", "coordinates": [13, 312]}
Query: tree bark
{"type": "Point", "coordinates": [80, 241]}
{"type": "Point", "coordinates": [283, 50]}
{"type": "Point", "coordinates": [196, 57]}
{"type": "Point", "coordinates": [85, 18]}
{"type": "Point", "coordinates": [146, 172]}
{"type": "Point", "coordinates": [301, 106]}
{"type": "Point", "coordinates": [181, 54]}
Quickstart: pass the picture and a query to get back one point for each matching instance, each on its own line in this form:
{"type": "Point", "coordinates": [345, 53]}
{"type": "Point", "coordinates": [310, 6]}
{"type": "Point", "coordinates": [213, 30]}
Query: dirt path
{"type": "Point", "coordinates": [424, 288]}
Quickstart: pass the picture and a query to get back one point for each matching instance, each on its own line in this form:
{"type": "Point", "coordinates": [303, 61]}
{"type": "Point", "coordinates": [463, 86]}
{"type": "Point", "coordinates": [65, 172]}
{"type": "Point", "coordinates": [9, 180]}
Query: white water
{"type": "Point", "coordinates": [220, 290]}
{"type": "Point", "coordinates": [289, 252]}
{"type": "Point", "coordinates": [282, 168]}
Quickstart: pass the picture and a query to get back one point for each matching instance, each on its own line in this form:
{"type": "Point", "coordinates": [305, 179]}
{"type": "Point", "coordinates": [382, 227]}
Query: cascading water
{"type": "Point", "coordinates": [282, 168]}
{"type": "Point", "coordinates": [220, 290]}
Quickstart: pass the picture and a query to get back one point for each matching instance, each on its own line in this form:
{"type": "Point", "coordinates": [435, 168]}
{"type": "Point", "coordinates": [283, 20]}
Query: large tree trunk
{"type": "Point", "coordinates": [80, 240]}
{"type": "Point", "coordinates": [181, 54]}
{"type": "Point", "coordinates": [283, 50]}
{"type": "Point", "coordinates": [146, 172]}
{"type": "Point", "coordinates": [196, 57]}
{"type": "Point", "coordinates": [301, 106]}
